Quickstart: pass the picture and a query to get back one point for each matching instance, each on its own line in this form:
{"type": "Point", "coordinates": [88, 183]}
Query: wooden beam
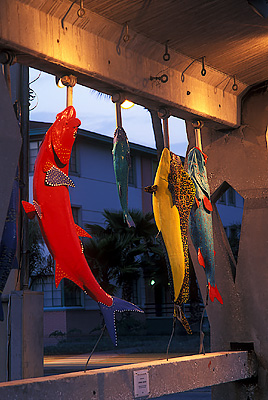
{"type": "Point", "coordinates": [163, 377]}
{"type": "Point", "coordinates": [88, 47]}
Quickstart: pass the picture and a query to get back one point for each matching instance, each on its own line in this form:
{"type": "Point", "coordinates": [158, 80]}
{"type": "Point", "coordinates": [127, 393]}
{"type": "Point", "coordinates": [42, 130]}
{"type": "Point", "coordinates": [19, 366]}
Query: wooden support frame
{"type": "Point", "coordinates": [164, 377]}
{"type": "Point", "coordinates": [94, 60]}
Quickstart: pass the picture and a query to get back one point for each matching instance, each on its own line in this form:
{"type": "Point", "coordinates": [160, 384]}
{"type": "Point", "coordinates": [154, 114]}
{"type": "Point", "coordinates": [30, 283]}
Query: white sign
{"type": "Point", "coordinates": [141, 383]}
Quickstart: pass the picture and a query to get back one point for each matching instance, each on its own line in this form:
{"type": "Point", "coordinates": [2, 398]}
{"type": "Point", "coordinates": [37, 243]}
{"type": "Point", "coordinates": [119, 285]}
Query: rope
{"type": "Point", "coordinates": [90, 355]}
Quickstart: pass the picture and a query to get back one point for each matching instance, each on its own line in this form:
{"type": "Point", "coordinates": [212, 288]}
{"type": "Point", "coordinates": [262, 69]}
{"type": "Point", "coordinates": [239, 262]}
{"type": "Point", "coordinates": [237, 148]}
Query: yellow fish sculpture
{"type": "Point", "coordinates": [173, 195]}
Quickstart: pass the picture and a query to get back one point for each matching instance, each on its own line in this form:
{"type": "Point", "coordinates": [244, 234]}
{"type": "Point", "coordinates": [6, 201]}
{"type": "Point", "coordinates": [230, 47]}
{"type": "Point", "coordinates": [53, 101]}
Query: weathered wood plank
{"type": "Point", "coordinates": [39, 40]}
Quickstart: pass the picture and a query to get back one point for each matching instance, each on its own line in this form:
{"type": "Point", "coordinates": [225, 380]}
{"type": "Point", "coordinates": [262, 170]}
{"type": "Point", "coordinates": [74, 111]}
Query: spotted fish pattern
{"type": "Point", "coordinates": [182, 190]}
{"type": "Point", "coordinates": [201, 219]}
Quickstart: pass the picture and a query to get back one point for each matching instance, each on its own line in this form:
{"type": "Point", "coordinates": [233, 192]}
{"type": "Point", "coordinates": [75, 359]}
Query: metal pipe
{"type": "Point", "coordinates": [166, 133]}
{"type": "Point", "coordinates": [69, 97]}
{"type": "Point", "coordinates": [197, 131]}
{"type": "Point", "coordinates": [118, 115]}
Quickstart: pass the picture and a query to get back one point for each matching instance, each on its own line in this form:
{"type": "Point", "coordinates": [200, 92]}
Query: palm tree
{"type": "Point", "coordinates": [40, 262]}
{"type": "Point", "coordinates": [120, 253]}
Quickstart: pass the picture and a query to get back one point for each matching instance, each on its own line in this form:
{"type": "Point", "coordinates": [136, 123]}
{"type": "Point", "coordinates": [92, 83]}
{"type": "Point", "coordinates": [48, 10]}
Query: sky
{"type": "Point", "coordinates": [97, 113]}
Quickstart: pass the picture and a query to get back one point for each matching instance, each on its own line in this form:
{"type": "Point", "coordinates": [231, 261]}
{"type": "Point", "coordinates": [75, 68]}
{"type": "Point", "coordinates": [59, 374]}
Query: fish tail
{"type": "Point", "coordinates": [1, 309]}
{"type": "Point", "coordinates": [128, 219]}
{"type": "Point", "coordinates": [108, 312]}
{"type": "Point", "coordinates": [214, 293]}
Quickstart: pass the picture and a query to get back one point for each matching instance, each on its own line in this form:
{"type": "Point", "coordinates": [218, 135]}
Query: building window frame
{"type": "Point", "coordinates": [132, 174]}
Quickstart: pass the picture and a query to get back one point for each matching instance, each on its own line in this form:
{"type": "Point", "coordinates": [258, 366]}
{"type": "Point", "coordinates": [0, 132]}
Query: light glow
{"type": "Point", "coordinates": [127, 104]}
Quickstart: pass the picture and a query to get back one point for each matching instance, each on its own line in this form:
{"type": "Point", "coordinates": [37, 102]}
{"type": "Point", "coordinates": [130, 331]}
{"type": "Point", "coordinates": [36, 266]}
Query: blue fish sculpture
{"type": "Point", "coordinates": [121, 161]}
{"type": "Point", "coordinates": [8, 245]}
{"type": "Point", "coordinates": [201, 219]}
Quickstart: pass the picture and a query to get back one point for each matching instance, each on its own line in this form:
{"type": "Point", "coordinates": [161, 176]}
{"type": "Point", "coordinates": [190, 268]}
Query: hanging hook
{"type": "Point", "coordinates": [81, 10]}
{"type": "Point", "coordinates": [203, 70]}
{"type": "Point", "coordinates": [67, 12]}
{"type": "Point", "coordinates": [125, 37]}
{"type": "Point", "coordinates": [197, 130]}
{"type": "Point", "coordinates": [164, 114]}
{"type": "Point", "coordinates": [163, 78]}
{"type": "Point", "coordinates": [166, 56]}
{"type": "Point", "coordinates": [234, 86]}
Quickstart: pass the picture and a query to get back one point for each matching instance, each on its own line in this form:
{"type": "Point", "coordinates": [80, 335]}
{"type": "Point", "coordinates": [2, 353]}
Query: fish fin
{"type": "Point", "coordinates": [81, 232]}
{"type": "Point", "coordinates": [214, 292]}
{"type": "Point", "coordinates": [29, 209]}
{"type": "Point", "coordinates": [201, 258]}
{"type": "Point", "coordinates": [179, 314]}
{"type": "Point", "coordinates": [108, 312]}
{"type": "Point", "coordinates": [151, 189]}
{"type": "Point", "coordinates": [197, 202]}
{"type": "Point", "coordinates": [207, 204]}
{"type": "Point", "coordinates": [128, 219]}
{"type": "Point", "coordinates": [1, 309]}
{"type": "Point", "coordinates": [60, 274]}
{"type": "Point", "coordinates": [37, 209]}
{"type": "Point", "coordinates": [56, 177]}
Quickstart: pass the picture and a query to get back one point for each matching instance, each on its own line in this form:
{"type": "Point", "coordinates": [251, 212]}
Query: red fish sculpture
{"type": "Point", "coordinates": [51, 203]}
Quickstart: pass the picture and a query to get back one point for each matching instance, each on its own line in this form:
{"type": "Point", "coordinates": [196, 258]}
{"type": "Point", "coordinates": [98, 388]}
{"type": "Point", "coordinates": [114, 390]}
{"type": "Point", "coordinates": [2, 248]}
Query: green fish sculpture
{"type": "Point", "coordinates": [201, 219]}
{"type": "Point", "coordinates": [121, 161]}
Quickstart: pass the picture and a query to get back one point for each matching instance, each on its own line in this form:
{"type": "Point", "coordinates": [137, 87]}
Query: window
{"type": "Point", "coordinates": [76, 214]}
{"type": "Point", "coordinates": [132, 172]}
{"type": "Point", "coordinates": [71, 294]}
{"type": "Point", "coordinates": [73, 160]}
{"type": "Point", "coordinates": [231, 197]}
{"type": "Point", "coordinates": [52, 296]}
{"type": "Point", "coordinates": [222, 199]}
{"type": "Point", "coordinates": [66, 295]}
{"type": "Point", "coordinates": [33, 151]}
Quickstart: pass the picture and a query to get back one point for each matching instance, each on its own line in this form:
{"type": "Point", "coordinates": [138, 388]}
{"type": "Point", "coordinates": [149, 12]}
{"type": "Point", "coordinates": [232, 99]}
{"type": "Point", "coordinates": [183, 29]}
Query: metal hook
{"type": "Point", "coordinates": [234, 86]}
{"type": "Point", "coordinates": [203, 70]}
{"type": "Point", "coordinates": [65, 15]}
{"type": "Point", "coordinates": [125, 37]}
{"type": "Point", "coordinates": [166, 56]}
{"type": "Point", "coordinates": [81, 11]}
{"type": "Point", "coordinates": [163, 78]}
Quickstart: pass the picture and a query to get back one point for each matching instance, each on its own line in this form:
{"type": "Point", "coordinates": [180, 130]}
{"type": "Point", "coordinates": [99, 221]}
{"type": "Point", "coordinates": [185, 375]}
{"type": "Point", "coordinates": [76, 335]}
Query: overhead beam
{"type": "Point", "coordinates": [90, 48]}
{"type": "Point", "coordinates": [160, 378]}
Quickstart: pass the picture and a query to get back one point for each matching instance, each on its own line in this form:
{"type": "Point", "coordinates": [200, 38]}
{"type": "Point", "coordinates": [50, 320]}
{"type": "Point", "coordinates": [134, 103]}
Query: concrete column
{"type": "Point", "coordinates": [240, 158]}
{"type": "Point", "coordinates": [22, 331]}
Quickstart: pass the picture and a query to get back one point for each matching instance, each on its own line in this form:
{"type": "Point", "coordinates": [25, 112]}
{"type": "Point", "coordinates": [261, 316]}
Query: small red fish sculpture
{"type": "Point", "coordinates": [51, 203]}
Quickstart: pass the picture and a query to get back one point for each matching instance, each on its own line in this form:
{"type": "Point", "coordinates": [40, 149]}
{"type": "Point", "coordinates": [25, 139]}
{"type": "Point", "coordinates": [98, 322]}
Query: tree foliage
{"type": "Point", "coordinates": [120, 254]}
